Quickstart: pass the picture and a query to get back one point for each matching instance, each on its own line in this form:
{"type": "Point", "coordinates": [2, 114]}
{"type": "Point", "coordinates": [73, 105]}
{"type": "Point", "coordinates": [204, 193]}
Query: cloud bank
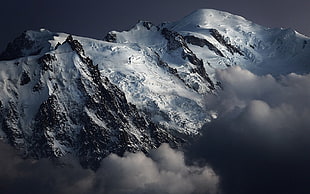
{"type": "Point", "coordinates": [164, 171]}
{"type": "Point", "coordinates": [260, 142]}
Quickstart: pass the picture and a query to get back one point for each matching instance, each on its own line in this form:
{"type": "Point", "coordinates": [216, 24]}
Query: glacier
{"type": "Point", "coordinates": [132, 90]}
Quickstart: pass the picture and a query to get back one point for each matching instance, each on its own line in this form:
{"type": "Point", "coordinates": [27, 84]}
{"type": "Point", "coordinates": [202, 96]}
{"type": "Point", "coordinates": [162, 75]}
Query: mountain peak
{"type": "Point", "coordinates": [29, 43]}
{"type": "Point", "coordinates": [210, 18]}
{"type": "Point", "coordinates": [133, 90]}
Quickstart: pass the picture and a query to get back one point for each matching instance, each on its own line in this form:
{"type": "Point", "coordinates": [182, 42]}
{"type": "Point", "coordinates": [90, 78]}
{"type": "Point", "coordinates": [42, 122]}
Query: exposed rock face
{"type": "Point", "coordinates": [14, 49]}
{"type": "Point", "coordinates": [147, 25]}
{"type": "Point", "coordinates": [96, 122]}
{"type": "Point", "coordinates": [231, 48]}
{"type": "Point", "coordinates": [110, 37]}
{"type": "Point", "coordinates": [25, 79]}
{"type": "Point", "coordinates": [10, 125]}
{"type": "Point", "coordinates": [50, 127]}
{"type": "Point", "coordinates": [45, 61]}
{"type": "Point", "coordinates": [134, 90]}
{"type": "Point", "coordinates": [29, 43]}
{"type": "Point", "coordinates": [176, 41]}
{"type": "Point", "coordinates": [202, 42]}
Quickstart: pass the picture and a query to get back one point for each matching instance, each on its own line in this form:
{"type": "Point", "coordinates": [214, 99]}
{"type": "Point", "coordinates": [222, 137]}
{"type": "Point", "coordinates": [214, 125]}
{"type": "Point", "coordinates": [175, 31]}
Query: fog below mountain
{"type": "Point", "coordinates": [260, 141]}
{"type": "Point", "coordinates": [258, 144]}
{"type": "Point", "coordinates": [212, 103]}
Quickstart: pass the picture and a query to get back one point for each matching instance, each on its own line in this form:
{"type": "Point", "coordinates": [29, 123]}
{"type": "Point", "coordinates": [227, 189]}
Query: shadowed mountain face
{"type": "Point", "coordinates": [133, 90]}
{"type": "Point", "coordinates": [90, 116]}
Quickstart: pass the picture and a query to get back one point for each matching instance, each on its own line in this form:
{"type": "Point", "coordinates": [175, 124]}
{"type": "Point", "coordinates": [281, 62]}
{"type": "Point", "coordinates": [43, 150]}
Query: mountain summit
{"type": "Point", "coordinates": [133, 90]}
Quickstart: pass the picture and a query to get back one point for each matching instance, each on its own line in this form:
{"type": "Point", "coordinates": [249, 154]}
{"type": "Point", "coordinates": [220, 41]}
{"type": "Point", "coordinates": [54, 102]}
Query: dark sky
{"type": "Point", "coordinates": [94, 18]}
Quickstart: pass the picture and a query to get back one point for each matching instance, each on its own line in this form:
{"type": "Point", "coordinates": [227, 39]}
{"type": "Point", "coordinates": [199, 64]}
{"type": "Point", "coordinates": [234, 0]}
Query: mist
{"type": "Point", "coordinates": [164, 171]}
{"type": "Point", "coordinates": [260, 141]}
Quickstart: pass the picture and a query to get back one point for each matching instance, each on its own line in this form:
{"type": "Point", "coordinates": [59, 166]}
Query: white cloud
{"type": "Point", "coordinates": [164, 171]}
{"type": "Point", "coordinates": [258, 144]}
{"type": "Point", "coordinates": [260, 139]}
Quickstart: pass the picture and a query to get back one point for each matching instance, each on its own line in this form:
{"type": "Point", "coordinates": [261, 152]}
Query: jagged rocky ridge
{"type": "Point", "coordinates": [133, 90]}
{"type": "Point", "coordinates": [101, 123]}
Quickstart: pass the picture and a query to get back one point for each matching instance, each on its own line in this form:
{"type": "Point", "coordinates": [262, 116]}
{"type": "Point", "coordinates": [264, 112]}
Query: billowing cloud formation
{"type": "Point", "coordinates": [164, 171]}
{"type": "Point", "coordinates": [42, 176]}
{"type": "Point", "coordinates": [260, 142]}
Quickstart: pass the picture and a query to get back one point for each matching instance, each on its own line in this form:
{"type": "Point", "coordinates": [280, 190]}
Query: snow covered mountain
{"type": "Point", "coordinates": [133, 90]}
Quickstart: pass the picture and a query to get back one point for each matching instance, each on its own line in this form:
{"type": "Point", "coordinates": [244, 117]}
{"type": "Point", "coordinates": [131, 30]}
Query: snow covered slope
{"type": "Point", "coordinates": [134, 89]}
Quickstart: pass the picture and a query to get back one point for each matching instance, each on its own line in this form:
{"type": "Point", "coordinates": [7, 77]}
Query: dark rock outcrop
{"type": "Point", "coordinates": [45, 61]}
{"type": "Point", "coordinates": [9, 119]}
{"type": "Point", "coordinates": [221, 39]}
{"type": "Point", "coordinates": [110, 37]}
{"type": "Point", "coordinates": [202, 42]}
{"type": "Point", "coordinates": [24, 79]}
{"type": "Point", "coordinates": [15, 48]}
{"type": "Point", "coordinates": [175, 41]}
{"type": "Point", "coordinates": [148, 25]}
{"type": "Point", "coordinates": [50, 129]}
{"type": "Point", "coordinates": [165, 66]}
{"type": "Point", "coordinates": [304, 44]}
